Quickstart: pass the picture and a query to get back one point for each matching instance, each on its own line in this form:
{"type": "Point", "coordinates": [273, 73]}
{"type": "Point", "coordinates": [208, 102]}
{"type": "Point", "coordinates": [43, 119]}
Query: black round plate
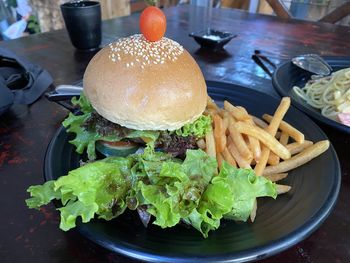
{"type": "Point", "coordinates": [286, 76]}
{"type": "Point", "coordinates": [279, 223]}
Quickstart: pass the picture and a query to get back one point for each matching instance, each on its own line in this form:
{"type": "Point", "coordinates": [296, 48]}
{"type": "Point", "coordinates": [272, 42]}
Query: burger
{"type": "Point", "coordinates": [138, 92]}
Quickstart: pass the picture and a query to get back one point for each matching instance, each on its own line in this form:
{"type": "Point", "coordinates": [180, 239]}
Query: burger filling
{"type": "Point", "coordinates": [91, 128]}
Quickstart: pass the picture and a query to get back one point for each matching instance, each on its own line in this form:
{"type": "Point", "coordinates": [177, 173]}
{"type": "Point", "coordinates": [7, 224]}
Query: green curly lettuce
{"type": "Point", "coordinates": [83, 103]}
{"type": "Point", "coordinates": [172, 190]}
{"type": "Point", "coordinates": [199, 128]}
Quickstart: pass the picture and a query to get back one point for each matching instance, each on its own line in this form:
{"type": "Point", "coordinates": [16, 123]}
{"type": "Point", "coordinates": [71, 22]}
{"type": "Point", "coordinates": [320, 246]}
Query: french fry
{"type": "Point", "coordinates": [211, 112]}
{"type": "Point", "coordinates": [238, 113]}
{"type": "Point", "coordinates": [254, 146]}
{"type": "Point", "coordinates": [297, 160]}
{"type": "Point", "coordinates": [201, 144]}
{"type": "Point", "coordinates": [243, 110]}
{"type": "Point", "coordinates": [263, 136]}
{"type": "Point", "coordinates": [273, 158]}
{"type": "Point", "coordinates": [276, 177]}
{"type": "Point", "coordinates": [221, 112]}
{"type": "Point", "coordinates": [287, 128]}
{"type": "Point", "coordinates": [241, 162]}
{"type": "Point", "coordinates": [220, 159]}
{"type": "Point", "coordinates": [228, 106]}
{"type": "Point", "coordinates": [282, 189]}
{"type": "Point", "coordinates": [211, 104]}
{"type": "Point", "coordinates": [226, 120]}
{"type": "Point", "coordinates": [258, 169]}
{"type": "Point", "coordinates": [253, 212]}
{"type": "Point", "coordinates": [241, 114]}
{"type": "Point", "coordinates": [271, 130]}
{"type": "Point", "coordinates": [210, 144]}
{"type": "Point", "coordinates": [284, 138]}
{"type": "Point", "coordinates": [259, 122]}
{"type": "Point", "coordinates": [219, 134]}
{"type": "Point", "coordinates": [239, 141]}
{"type": "Point", "coordinates": [278, 116]}
{"type": "Point", "coordinates": [295, 147]}
{"type": "Point", "coordinates": [228, 157]}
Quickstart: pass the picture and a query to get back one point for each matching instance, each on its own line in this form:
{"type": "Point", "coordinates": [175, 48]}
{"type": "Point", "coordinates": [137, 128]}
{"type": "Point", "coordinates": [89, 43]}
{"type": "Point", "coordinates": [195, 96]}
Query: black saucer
{"type": "Point", "coordinates": [212, 39]}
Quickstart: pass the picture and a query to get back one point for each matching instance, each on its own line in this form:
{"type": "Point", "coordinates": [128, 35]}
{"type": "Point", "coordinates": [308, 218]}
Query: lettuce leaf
{"type": "Point", "coordinates": [177, 188]}
{"type": "Point", "coordinates": [230, 195]}
{"type": "Point", "coordinates": [83, 103]}
{"type": "Point", "coordinates": [97, 188]}
{"type": "Point", "coordinates": [42, 194]}
{"type": "Point", "coordinates": [172, 190]}
{"type": "Point", "coordinates": [199, 128]}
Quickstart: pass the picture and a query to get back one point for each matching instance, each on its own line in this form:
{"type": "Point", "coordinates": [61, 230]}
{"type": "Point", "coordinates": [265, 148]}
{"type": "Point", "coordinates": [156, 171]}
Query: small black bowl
{"type": "Point", "coordinates": [212, 39]}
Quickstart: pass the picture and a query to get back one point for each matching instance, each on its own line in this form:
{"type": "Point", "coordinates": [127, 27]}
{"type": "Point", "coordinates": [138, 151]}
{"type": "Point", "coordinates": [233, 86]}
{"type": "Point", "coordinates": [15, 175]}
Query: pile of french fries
{"type": "Point", "coordinates": [270, 146]}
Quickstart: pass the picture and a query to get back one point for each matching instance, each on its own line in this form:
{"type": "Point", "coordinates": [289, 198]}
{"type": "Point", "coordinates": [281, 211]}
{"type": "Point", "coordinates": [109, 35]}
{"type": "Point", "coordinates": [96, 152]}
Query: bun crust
{"type": "Point", "coordinates": [146, 85]}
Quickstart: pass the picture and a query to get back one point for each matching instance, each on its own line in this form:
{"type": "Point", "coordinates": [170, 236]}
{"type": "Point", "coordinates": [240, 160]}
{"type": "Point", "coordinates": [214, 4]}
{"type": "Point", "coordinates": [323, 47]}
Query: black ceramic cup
{"type": "Point", "coordinates": [83, 23]}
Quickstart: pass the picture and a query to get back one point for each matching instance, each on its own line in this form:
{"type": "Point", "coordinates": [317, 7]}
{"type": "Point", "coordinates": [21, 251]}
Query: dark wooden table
{"type": "Point", "coordinates": [31, 236]}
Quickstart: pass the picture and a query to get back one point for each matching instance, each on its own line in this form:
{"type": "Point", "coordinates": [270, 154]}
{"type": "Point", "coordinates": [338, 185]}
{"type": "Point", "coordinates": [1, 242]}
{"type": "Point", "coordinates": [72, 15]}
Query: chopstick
{"type": "Point", "coordinates": [259, 59]}
{"type": "Point", "coordinates": [258, 54]}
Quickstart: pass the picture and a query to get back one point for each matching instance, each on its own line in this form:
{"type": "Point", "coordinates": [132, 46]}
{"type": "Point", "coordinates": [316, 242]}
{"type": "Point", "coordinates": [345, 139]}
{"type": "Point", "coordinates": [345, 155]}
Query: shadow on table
{"type": "Point", "coordinates": [212, 56]}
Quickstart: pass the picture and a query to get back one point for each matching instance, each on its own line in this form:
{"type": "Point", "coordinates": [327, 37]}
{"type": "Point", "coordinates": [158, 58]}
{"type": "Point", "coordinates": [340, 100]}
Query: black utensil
{"type": "Point", "coordinates": [259, 59]}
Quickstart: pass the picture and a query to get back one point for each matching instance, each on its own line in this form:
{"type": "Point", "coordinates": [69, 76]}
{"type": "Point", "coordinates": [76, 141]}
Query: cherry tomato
{"type": "Point", "coordinates": [152, 23]}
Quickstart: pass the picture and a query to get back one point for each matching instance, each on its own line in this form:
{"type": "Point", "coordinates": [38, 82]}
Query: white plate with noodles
{"type": "Point", "coordinates": [325, 99]}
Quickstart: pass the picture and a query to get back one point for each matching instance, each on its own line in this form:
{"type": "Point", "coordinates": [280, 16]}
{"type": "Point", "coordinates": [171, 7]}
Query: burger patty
{"type": "Point", "coordinates": [171, 143]}
{"type": "Point", "coordinates": [103, 126]}
{"type": "Point", "coordinates": [176, 145]}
